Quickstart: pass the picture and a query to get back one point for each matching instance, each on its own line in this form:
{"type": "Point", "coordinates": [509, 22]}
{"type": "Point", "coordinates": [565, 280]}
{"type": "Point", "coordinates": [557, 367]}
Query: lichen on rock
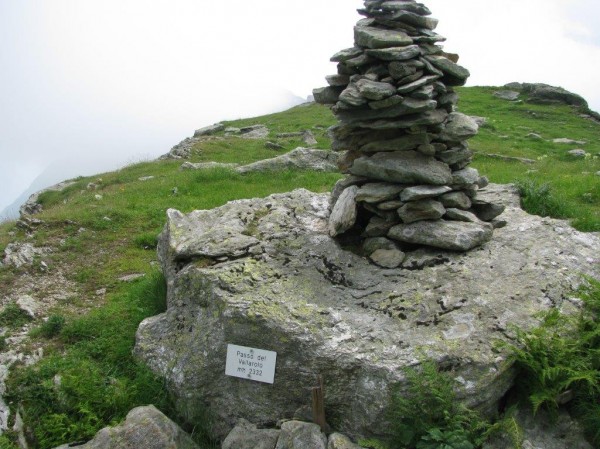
{"type": "Point", "coordinates": [328, 311]}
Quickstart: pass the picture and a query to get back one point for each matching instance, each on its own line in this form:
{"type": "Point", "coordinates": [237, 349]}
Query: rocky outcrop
{"type": "Point", "coordinates": [393, 95]}
{"type": "Point", "coordinates": [207, 165]}
{"type": "Point", "coordinates": [254, 132]}
{"type": "Point", "coordinates": [265, 273]}
{"type": "Point", "coordinates": [539, 93]}
{"type": "Point", "coordinates": [144, 427]}
{"type": "Point", "coordinates": [300, 158]}
{"type": "Point", "coordinates": [186, 148]}
{"type": "Point", "coordinates": [183, 150]}
{"type": "Point", "coordinates": [20, 254]}
{"type": "Point", "coordinates": [509, 95]}
{"type": "Point", "coordinates": [209, 130]}
{"type": "Point", "coordinates": [32, 206]}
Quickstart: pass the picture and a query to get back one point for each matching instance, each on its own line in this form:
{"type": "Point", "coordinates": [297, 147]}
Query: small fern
{"type": "Point", "coordinates": [429, 405]}
{"type": "Point", "coordinates": [372, 443]}
{"type": "Point", "coordinates": [563, 354]}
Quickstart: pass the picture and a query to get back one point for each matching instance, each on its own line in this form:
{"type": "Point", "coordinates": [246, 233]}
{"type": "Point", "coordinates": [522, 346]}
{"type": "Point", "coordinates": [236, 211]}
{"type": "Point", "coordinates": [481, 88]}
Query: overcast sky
{"type": "Point", "coordinates": [89, 85]}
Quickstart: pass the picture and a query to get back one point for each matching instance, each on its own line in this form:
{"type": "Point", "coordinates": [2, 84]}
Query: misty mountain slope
{"type": "Point", "coordinates": [94, 277]}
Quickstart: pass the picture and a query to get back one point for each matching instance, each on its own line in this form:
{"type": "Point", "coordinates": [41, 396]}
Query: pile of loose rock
{"type": "Point", "coordinates": [406, 151]}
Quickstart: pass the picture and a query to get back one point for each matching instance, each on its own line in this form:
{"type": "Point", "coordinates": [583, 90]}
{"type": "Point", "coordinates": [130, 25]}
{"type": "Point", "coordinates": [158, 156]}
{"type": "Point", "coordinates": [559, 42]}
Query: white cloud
{"type": "Point", "coordinates": [531, 41]}
{"type": "Point", "coordinates": [113, 79]}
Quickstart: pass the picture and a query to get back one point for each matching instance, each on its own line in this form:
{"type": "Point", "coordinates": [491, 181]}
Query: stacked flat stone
{"type": "Point", "coordinates": [406, 150]}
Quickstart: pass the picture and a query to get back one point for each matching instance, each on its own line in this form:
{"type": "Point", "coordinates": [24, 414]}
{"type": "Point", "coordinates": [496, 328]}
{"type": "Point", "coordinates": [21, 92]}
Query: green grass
{"type": "Point", "coordinates": [70, 395]}
{"type": "Point", "coordinates": [573, 182]}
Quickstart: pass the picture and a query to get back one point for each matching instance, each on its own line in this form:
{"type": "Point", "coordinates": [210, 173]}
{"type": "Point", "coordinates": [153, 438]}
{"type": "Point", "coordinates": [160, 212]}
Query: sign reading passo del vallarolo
{"type": "Point", "coordinates": [251, 363]}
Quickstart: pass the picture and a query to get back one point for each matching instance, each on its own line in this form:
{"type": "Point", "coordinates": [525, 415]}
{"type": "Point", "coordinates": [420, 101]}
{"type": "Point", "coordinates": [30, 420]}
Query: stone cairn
{"type": "Point", "coordinates": [408, 183]}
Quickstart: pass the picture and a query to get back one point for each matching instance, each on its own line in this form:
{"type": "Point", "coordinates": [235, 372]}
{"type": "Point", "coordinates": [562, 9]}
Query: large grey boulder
{"type": "Point", "coordinates": [290, 288]}
{"type": "Point", "coordinates": [541, 94]}
{"type": "Point", "coordinates": [299, 158]}
{"type": "Point", "coordinates": [339, 441]}
{"type": "Point", "coordinates": [254, 132]}
{"type": "Point", "coordinates": [145, 427]}
{"type": "Point", "coordinates": [184, 149]}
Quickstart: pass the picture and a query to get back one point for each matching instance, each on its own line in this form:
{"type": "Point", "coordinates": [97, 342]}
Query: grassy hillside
{"type": "Point", "coordinates": [573, 183]}
{"type": "Point", "coordinates": [104, 227]}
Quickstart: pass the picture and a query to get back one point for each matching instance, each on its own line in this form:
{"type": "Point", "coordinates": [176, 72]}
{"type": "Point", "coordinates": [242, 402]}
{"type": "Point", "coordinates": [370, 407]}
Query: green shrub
{"type": "Point", "coordinates": [445, 439]}
{"type": "Point", "coordinates": [5, 443]}
{"type": "Point", "coordinates": [372, 443]}
{"type": "Point", "coordinates": [428, 409]}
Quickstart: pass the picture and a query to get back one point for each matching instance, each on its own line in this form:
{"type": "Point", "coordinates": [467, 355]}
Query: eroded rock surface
{"type": "Point", "coordinates": [264, 273]}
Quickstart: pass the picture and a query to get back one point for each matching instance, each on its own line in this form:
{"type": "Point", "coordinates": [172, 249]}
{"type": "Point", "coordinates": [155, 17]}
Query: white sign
{"type": "Point", "coordinates": [251, 363]}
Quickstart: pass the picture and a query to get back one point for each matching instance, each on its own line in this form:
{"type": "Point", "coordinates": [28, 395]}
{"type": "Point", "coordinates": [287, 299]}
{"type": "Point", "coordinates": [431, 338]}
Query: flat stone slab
{"type": "Point", "coordinates": [451, 235]}
{"type": "Point", "coordinates": [327, 311]}
{"type": "Point", "coordinates": [378, 38]}
{"type": "Point", "coordinates": [404, 167]}
{"type": "Point", "coordinates": [298, 159]}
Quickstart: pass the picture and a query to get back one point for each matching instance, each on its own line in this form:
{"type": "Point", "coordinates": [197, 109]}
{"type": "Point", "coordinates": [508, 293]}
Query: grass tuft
{"type": "Point", "coordinates": [50, 328]}
{"type": "Point", "coordinates": [538, 199]}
